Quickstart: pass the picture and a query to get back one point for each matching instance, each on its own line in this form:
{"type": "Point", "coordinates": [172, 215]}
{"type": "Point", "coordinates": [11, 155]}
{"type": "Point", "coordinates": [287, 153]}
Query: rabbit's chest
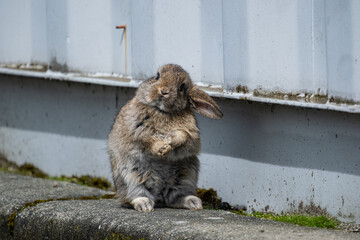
{"type": "Point", "coordinates": [162, 177]}
{"type": "Point", "coordinates": [166, 173]}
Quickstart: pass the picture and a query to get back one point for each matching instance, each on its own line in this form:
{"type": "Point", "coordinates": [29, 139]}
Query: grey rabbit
{"type": "Point", "coordinates": [154, 142]}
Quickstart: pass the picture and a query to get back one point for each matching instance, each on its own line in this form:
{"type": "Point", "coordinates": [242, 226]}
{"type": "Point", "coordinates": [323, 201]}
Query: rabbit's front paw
{"type": "Point", "coordinates": [162, 148]}
{"type": "Point", "coordinates": [192, 202]}
{"type": "Point", "coordinates": [143, 204]}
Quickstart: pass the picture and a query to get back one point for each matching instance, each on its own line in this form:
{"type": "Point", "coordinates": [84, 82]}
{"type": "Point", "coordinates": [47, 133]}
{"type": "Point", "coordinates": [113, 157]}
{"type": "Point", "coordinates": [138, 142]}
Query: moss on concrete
{"type": "Point", "coordinates": [242, 89]}
{"type": "Point", "coordinates": [120, 236]}
{"type": "Point", "coordinates": [340, 100]}
{"type": "Point", "coordinates": [321, 221]}
{"type": "Point", "coordinates": [29, 169]}
{"type": "Point", "coordinates": [209, 198]}
{"type": "Point", "coordinates": [11, 219]}
{"type": "Point", "coordinates": [86, 180]}
{"type": "Point", "coordinates": [312, 215]}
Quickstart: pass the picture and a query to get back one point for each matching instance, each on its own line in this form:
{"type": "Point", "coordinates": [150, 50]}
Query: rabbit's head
{"type": "Point", "coordinates": [171, 91]}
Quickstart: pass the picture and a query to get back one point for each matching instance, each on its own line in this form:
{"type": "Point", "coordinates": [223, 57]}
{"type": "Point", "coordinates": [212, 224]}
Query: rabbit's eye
{"type": "Point", "coordinates": [157, 76]}
{"type": "Point", "coordinates": [181, 88]}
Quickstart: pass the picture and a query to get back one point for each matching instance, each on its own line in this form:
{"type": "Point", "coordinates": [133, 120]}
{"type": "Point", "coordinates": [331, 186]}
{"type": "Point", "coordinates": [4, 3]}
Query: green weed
{"type": "Point", "coordinates": [321, 221]}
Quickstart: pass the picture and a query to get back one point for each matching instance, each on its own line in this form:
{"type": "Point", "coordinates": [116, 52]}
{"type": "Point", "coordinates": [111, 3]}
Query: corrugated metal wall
{"type": "Point", "coordinates": [284, 46]}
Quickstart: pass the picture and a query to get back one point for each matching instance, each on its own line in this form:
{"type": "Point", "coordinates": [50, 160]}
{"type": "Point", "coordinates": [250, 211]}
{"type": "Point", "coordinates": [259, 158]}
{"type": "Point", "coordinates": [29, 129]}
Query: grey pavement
{"type": "Point", "coordinates": [70, 214]}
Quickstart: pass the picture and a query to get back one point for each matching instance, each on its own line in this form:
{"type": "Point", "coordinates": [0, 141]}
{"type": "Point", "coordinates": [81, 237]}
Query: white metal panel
{"type": "Point", "coordinates": [343, 48]}
{"type": "Point", "coordinates": [235, 44]}
{"type": "Point", "coordinates": [212, 63]}
{"type": "Point", "coordinates": [66, 35]}
{"type": "Point", "coordinates": [142, 38]}
{"type": "Point", "coordinates": [177, 34]}
{"type": "Point", "coordinates": [298, 46]}
{"type": "Point", "coordinates": [319, 67]}
{"type": "Point", "coordinates": [81, 36]}
{"type": "Point", "coordinates": [121, 14]}
{"type": "Point", "coordinates": [23, 31]}
{"type": "Point", "coordinates": [57, 35]}
{"type": "Point", "coordinates": [276, 36]}
{"type": "Point", "coordinates": [188, 33]}
{"type": "Point", "coordinates": [15, 26]}
{"type": "Point", "coordinates": [89, 36]}
{"type": "Point", "coordinates": [38, 31]}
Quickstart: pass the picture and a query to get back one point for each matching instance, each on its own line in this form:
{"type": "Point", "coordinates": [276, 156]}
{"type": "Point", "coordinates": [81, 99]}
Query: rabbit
{"type": "Point", "coordinates": [154, 142]}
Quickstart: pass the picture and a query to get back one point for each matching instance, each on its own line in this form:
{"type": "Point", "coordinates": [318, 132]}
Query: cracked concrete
{"type": "Point", "coordinates": [17, 190]}
{"type": "Point", "coordinates": [105, 219]}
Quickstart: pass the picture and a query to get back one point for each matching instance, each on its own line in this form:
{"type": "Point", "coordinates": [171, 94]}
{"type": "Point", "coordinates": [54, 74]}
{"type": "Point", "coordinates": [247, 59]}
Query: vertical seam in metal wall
{"type": "Point", "coordinates": [222, 46]}
{"type": "Point", "coordinates": [313, 44]}
{"type": "Point", "coordinates": [319, 63]}
{"type": "Point", "coordinates": [46, 34]}
{"type": "Point", "coordinates": [326, 47]}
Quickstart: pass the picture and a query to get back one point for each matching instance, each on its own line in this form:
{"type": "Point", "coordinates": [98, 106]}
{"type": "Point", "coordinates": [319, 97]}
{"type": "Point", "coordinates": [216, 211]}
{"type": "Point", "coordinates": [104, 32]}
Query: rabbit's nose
{"type": "Point", "coordinates": [164, 91]}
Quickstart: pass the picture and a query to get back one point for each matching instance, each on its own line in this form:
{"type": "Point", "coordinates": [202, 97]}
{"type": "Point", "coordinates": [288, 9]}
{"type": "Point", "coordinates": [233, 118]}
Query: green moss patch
{"type": "Point", "coordinates": [121, 236]}
{"type": "Point", "coordinates": [29, 169]}
{"type": "Point", "coordinates": [209, 198]}
{"type": "Point", "coordinates": [86, 180]}
{"type": "Point", "coordinates": [212, 201]}
{"type": "Point", "coordinates": [298, 219]}
{"type": "Point", "coordinates": [11, 219]}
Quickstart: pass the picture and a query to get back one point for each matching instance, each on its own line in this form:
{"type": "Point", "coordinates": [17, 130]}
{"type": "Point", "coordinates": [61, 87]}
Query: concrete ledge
{"type": "Point", "coordinates": [75, 217]}
{"type": "Point", "coordinates": [18, 191]}
{"type": "Point", "coordinates": [215, 91]}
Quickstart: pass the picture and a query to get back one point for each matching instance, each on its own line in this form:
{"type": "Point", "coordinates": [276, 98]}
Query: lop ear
{"type": "Point", "coordinates": [203, 103]}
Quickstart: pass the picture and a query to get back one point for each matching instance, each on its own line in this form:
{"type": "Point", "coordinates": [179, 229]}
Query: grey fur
{"type": "Point", "coordinates": [154, 142]}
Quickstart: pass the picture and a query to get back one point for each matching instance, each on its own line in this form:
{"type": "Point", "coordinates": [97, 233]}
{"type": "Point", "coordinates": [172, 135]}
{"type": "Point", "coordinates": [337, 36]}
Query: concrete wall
{"type": "Point", "coordinates": [261, 156]}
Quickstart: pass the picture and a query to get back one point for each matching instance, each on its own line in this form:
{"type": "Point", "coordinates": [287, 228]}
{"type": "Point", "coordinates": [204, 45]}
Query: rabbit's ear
{"type": "Point", "coordinates": [203, 103]}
